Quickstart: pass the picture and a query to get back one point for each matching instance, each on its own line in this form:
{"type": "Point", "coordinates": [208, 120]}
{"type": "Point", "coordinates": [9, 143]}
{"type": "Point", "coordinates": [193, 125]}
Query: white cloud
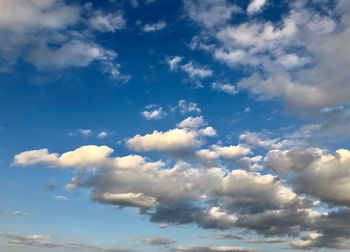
{"type": "Point", "coordinates": [15, 213]}
{"type": "Point", "coordinates": [188, 107]}
{"type": "Point", "coordinates": [44, 34]}
{"type": "Point", "coordinates": [102, 134]}
{"type": "Point", "coordinates": [208, 131]}
{"type": "Point", "coordinates": [284, 58]}
{"type": "Point", "coordinates": [195, 71]}
{"type": "Point", "coordinates": [82, 157]}
{"type": "Point", "coordinates": [262, 140]}
{"type": "Point", "coordinates": [51, 14]}
{"type": "Point", "coordinates": [210, 13]}
{"type": "Point", "coordinates": [174, 62]}
{"type": "Point", "coordinates": [107, 22]}
{"type": "Point", "coordinates": [192, 122]}
{"type": "Point", "coordinates": [225, 87]}
{"type": "Point", "coordinates": [232, 151]}
{"type": "Point", "coordinates": [160, 25]}
{"type": "Point", "coordinates": [172, 140]}
{"type": "Point", "coordinates": [82, 132]}
{"type": "Point", "coordinates": [256, 6]}
{"type": "Point", "coordinates": [153, 112]}
{"type": "Point", "coordinates": [212, 197]}
{"type": "Point", "coordinates": [60, 198]}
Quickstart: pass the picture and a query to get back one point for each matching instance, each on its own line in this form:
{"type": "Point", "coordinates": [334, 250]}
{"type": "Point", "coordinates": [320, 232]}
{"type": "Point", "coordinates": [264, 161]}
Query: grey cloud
{"type": "Point", "coordinates": [157, 241]}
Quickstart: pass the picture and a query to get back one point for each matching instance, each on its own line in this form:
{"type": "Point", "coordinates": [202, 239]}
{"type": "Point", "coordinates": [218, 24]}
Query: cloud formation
{"type": "Point", "coordinates": [30, 29]}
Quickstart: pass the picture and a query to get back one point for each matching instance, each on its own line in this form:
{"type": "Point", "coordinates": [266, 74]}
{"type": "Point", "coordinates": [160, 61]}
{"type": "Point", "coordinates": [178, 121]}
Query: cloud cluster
{"type": "Point", "coordinates": [285, 57]}
{"type": "Point", "coordinates": [211, 197]}
{"type": "Point", "coordinates": [52, 34]}
{"type": "Point", "coordinates": [318, 173]}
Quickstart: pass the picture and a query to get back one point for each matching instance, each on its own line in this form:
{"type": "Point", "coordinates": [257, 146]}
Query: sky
{"type": "Point", "coordinates": [180, 126]}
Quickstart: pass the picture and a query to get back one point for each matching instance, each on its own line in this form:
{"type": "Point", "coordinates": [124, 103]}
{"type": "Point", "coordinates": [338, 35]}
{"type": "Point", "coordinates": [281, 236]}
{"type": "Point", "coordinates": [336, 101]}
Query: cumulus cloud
{"type": "Point", "coordinates": [316, 172]}
{"type": "Point", "coordinates": [224, 87]}
{"type": "Point", "coordinates": [45, 34]}
{"type": "Point", "coordinates": [262, 140]}
{"type": "Point", "coordinates": [195, 71]}
{"type": "Point", "coordinates": [219, 198]}
{"type": "Point", "coordinates": [188, 107]}
{"type": "Point", "coordinates": [232, 151]}
{"type": "Point", "coordinates": [172, 140]}
{"type": "Point", "coordinates": [82, 157]}
{"type": "Point", "coordinates": [153, 112]}
{"type": "Point", "coordinates": [174, 62]}
{"type": "Point", "coordinates": [107, 22]}
{"type": "Point", "coordinates": [255, 6]}
{"type": "Point", "coordinates": [210, 13]}
{"type": "Point", "coordinates": [102, 134]}
{"type": "Point", "coordinates": [160, 25]}
{"type": "Point", "coordinates": [210, 197]}
{"type": "Point", "coordinates": [192, 122]}
{"type": "Point", "coordinates": [285, 57]}
{"type": "Point", "coordinates": [192, 69]}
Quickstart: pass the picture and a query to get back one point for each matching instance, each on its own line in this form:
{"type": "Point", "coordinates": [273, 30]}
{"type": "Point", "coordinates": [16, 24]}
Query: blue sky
{"type": "Point", "coordinates": [163, 125]}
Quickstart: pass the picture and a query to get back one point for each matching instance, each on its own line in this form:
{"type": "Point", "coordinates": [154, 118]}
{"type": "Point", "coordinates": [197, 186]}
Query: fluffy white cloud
{"type": "Point", "coordinates": [291, 63]}
{"type": "Point", "coordinates": [188, 107]}
{"type": "Point", "coordinates": [153, 112]}
{"type": "Point", "coordinates": [262, 140]}
{"type": "Point", "coordinates": [210, 13]}
{"type": "Point", "coordinates": [160, 25]}
{"type": "Point", "coordinates": [255, 6]}
{"type": "Point", "coordinates": [84, 156]}
{"type": "Point", "coordinates": [172, 140]}
{"type": "Point", "coordinates": [45, 34]}
{"type": "Point", "coordinates": [225, 87]}
{"type": "Point", "coordinates": [102, 134]}
{"type": "Point", "coordinates": [192, 122]}
{"type": "Point", "coordinates": [232, 151]}
{"type": "Point", "coordinates": [51, 14]}
{"type": "Point", "coordinates": [107, 22]}
{"type": "Point", "coordinates": [195, 71]}
{"type": "Point", "coordinates": [174, 62]}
